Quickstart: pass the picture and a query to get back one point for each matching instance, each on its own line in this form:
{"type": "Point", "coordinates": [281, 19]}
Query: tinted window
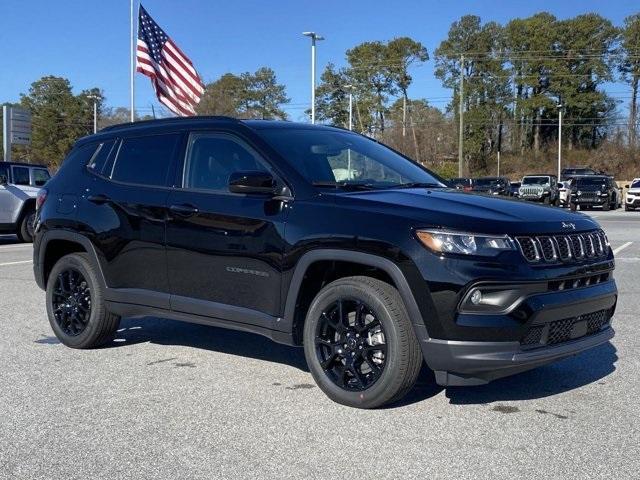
{"type": "Point", "coordinates": [40, 176]}
{"type": "Point", "coordinates": [591, 181]}
{"type": "Point", "coordinates": [78, 155]}
{"type": "Point", "coordinates": [635, 184]}
{"type": "Point", "coordinates": [211, 158]}
{"type": "Point", "coordinates": [4, 171]}
{"type": "Point", "coordinates": [99, 158]}
{"type": "Point", "coordinates": [337, 156]}
{"type": "Point", "coordinates": [21, 176]}
{"type": "Point", "coordinates": [145, 160]}
{"type": "Point", "coordinates": [535, 180]}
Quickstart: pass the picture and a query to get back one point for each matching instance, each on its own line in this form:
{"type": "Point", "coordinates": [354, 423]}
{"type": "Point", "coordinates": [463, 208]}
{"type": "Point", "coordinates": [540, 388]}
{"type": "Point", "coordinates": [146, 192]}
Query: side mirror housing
{"type": "Point", "coordinates": [252, 182]}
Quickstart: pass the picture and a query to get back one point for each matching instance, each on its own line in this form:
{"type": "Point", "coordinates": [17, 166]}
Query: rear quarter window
{"type": "Point", "coordinates": [145, 160]}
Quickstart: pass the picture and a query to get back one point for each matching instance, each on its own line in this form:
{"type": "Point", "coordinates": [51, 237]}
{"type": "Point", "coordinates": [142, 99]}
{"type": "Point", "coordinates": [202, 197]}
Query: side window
{"type": "Point", "coordinates": [40, 176]}
{"type": "Point", "coordinates": [78, 155]}
{"type": "Point", "coordinates": [20, 175]}
{"type": "Point", "coordinates": [211, 158]}
{"type": "Point", "coordinates": [99, 158]}
{"type": "Point", "coordinates": [145, 160]}
{"type": "Point", "coordinates": [4, 172]}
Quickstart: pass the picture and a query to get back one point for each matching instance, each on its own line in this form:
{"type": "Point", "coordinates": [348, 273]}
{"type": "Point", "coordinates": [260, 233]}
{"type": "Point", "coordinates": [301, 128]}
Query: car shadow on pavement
{"type": "Point", "coordinates": [568, 374]}
{"type": "Point", "coordinates": [231, 342]}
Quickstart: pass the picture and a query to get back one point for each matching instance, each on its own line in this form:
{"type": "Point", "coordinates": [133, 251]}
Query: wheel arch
{"type": "Point", "coordinates": [296, 305]}
{"type": "Point", "coordinates": [57, 243]}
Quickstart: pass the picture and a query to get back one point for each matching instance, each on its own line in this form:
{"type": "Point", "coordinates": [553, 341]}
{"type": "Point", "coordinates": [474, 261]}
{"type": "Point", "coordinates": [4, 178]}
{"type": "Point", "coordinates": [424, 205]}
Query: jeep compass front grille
{"type": "Point", "coordinates": [565, 248]}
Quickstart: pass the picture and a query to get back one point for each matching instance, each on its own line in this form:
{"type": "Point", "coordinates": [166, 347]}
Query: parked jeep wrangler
{"type": "Point", "coordinates": [243, 225]}
{"type": "Point", "coordinates": [540, 188]}
{"type": "Point", "coordinates": [19, 184]}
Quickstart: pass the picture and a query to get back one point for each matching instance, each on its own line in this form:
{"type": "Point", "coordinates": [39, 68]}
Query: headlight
{"type": "Point", "coordinates": [579, 193]}
{"type": "Point", "coordinates": [598, 193]}
{"type": "Point", "coordinates": [440, 241]}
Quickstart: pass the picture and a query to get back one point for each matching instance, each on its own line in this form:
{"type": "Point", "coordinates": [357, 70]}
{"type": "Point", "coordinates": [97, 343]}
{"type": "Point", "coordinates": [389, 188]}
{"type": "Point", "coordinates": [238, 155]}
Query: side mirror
{"type": "Point", "coordinates": [626, 186]}
{"type": "Point", "coordinates": [252, 182]}
{"type": "Point", "coordinates": [3, 179]}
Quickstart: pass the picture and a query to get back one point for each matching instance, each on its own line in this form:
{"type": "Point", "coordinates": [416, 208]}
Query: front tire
{"type": "Point", "coordinates": [606, 206]}
{"type": "Point", "coordinates": [573, 207]}
{"type": "Point", "coordinates": [359, 343]}
{"type": "Point", "coordinates": [75, 304]}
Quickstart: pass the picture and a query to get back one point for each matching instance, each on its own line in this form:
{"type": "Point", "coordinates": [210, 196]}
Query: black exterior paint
{"type": "Point", "coordinates": [238, 260]}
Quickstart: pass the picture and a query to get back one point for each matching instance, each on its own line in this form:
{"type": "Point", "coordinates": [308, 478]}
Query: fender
{"type": "Point", "coordinates": [389, 267]}
{"type": "Point", "coordinates": [40, 249]}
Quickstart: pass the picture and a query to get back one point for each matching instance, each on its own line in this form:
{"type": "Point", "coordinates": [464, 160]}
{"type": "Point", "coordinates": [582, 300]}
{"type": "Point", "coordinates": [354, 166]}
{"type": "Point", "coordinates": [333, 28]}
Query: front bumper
{"type": "Point", "coordinates": [552, 325]}
{"type": "Point", "coordinates": [633, 201]}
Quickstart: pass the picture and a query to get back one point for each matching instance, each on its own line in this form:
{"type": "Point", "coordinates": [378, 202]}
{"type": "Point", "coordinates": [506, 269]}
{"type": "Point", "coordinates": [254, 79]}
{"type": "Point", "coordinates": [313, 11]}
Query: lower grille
{"type": "Point", "coordinates": [561, 331]}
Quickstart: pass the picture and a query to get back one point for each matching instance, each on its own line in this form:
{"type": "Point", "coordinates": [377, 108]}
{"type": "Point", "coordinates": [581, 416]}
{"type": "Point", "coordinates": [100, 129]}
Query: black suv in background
{"type": "Point", "coordinates": [493, 186]}
{"type": "Point", "coordinates": [244, 225]}
{"type": "Point", "coordinates": [571, 172]}
{"type": "Point", "coordinates": [590, 191]}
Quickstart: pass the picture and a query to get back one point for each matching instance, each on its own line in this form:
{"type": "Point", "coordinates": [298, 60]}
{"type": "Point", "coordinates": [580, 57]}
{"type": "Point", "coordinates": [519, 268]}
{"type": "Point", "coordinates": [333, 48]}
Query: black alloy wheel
{"type": "Point", "coordinates": [71, 302]}
{"type": "Point", "coordinates": [350, 344]}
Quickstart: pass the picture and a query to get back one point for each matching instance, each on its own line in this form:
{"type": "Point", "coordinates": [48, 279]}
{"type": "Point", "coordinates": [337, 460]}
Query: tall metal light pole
{"type": "Point", "coordinates": [461, 115]}
{"type": "Point", "coordinates": [132, 62]}
{"type": "Point", "coordinates": [559, 140]}
{"type": "Point", "coordinates": [349, 88]}
{"type": "Point", "coordinates": [314, 37]}
{"type": "Point", "coordinates": [95, 99]}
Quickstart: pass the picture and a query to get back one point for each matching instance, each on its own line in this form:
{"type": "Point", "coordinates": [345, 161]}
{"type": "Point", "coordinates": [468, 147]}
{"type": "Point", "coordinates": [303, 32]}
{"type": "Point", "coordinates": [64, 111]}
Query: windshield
{"type": "Point", "coordinates": [578, 171]}
{"type": "Point", "coordinates": [332, 157]}
{"type": "Point", "coordinates": [535, 180]}
{"type": "Point", "coordinates": [591, 181]}
{"type": "Point", "coordinates": [635, 184]}
{"type": "Point", "coordinates": [485, 182]}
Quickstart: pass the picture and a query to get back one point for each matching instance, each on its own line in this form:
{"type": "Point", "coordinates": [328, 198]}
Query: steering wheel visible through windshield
{"type": "Point", "coordinates": [340, 159]}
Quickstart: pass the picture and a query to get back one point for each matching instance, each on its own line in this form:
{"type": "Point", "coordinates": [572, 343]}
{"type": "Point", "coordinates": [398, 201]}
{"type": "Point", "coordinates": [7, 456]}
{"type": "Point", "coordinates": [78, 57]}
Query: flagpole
{"type": "Point", "coordinates": [133, 65]}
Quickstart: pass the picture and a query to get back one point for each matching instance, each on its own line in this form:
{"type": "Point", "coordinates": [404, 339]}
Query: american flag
{"type": "Point", "coordinates": [175, 81]}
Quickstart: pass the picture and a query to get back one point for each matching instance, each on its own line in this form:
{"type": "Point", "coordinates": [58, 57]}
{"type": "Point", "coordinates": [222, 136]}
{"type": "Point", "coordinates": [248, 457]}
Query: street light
{"type": "Point", "coordinates": [95, 99]}
{"type": "Point", "coordinates": [314, 37]}
{"type": "Point", "coordinates": [559, 139]}
{"type": "Point", "coordinates": [349, 88]}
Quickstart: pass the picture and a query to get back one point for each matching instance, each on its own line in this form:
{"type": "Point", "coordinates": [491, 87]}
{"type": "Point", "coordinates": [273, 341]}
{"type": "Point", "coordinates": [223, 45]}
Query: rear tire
{"type": "Point", "coordinates": [76, 306]}
{"type": "Point", "coordinates": [359, 343]}
{"type": "Point", "coordinates": [25, 230]}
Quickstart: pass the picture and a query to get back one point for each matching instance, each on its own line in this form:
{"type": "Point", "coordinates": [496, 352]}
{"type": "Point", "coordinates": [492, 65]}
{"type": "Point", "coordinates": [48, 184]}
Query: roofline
{"type": "Point", "coordinates": [24, 164]}
{"type": "Point", "coordinates": [170, 120]}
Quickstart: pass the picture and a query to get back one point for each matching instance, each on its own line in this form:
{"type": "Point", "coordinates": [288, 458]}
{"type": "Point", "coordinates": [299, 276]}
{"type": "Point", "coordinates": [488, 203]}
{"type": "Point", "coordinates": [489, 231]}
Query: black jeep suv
{"type": "Point", "coordinates": [320, 237]}
{"type": "Point", "coordinates": [594, 191]}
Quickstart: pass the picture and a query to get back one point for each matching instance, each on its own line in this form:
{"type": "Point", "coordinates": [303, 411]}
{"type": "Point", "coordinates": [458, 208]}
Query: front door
{"type": "Point", "coordinates": [224, 250]}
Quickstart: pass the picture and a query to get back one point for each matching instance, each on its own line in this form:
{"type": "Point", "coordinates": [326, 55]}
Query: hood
{"type": "Point", "coordinates": [457, 210]}
{"type": "Point", "coordinates": [22, 191]}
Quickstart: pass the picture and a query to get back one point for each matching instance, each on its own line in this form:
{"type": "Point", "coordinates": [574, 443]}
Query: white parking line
{"type": "Point", "coordinates": [14, 263]}
{"type": "Point", "coordinates": [621, 247]}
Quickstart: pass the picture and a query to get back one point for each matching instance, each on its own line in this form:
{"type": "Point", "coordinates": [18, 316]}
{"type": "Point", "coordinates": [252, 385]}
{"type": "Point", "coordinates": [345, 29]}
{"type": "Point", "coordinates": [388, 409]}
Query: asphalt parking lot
{"type": "Point", "coordinates": [173, 400]}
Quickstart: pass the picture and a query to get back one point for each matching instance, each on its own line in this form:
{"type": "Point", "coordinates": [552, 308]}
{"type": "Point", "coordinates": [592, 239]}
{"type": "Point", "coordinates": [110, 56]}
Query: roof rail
{"type": "Point", "coordinates": [162, 121]}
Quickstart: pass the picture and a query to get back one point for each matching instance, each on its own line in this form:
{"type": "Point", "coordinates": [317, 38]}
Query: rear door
{"type": "Point", "coordinates": [224, 250]}
{"type": "Point", "coordinates": [126, 206]}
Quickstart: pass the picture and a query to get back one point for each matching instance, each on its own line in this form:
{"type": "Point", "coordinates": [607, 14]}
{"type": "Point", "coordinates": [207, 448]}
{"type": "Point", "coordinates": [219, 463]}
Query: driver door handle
{"type": "Point", "coordinates": [184, 210]}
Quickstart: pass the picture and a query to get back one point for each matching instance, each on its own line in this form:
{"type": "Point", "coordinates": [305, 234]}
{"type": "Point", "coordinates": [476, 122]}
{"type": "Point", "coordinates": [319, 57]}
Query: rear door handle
{"type": "Point", "coordinates": [183, 210]}
{"type": "Point", "coordinates": [98, 199]}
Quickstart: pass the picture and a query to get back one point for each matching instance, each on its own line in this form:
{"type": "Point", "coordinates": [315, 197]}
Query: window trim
{"type": "Point", "coordinates": [180, 178]}
{"type": "Point", "coordinates": [175, 155]}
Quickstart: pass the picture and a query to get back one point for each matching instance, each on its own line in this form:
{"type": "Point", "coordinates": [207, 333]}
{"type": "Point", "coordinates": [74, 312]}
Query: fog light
{"type": "Point", "coordinates": [476, 297]}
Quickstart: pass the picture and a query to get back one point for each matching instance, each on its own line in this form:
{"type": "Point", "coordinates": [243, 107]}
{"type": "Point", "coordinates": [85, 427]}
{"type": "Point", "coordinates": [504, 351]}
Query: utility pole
{"type": "Point", "coordinates": [132, 65]}
{"type": "Point", "coordinates": [499, 144]}
{"type": "Point", "coordinates": [6, 132]}
{"type": "Point", "coordinates": [95, 99]}
{"type": "Point", "coordinates": [350, 88]}
{"type": "Point", "coordinates": [460, 128]}
{"type": "Point", "coordinates": [404, 116]}
{"type": "Point", "coordinates": [559, 140]}
{"type": "Point", "coordinates": [314, 37]}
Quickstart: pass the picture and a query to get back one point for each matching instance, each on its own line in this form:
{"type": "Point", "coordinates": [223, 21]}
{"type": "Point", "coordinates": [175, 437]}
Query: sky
{"type": "Point", "coordinates": [87, 41]}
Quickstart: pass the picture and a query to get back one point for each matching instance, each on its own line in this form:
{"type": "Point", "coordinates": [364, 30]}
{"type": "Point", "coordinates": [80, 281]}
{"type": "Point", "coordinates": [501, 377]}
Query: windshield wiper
{"type": "Point", "coordinates": [345, 185]}
{"type": "Point", "coordinates": [418, 185]}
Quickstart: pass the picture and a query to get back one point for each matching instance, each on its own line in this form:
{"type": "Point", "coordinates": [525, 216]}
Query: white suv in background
{"type": "Point", "coordinates": [632, 200]}
{"type": "Point", "coordinates": [19, 185]}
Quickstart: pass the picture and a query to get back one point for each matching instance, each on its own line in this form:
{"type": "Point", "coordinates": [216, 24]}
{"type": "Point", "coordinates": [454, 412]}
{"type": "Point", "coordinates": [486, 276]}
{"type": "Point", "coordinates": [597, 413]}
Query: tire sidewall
{"type": "Point", "coordinates": [376, 392]}
{"type": "Point", "coordinates": [79, 263]}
